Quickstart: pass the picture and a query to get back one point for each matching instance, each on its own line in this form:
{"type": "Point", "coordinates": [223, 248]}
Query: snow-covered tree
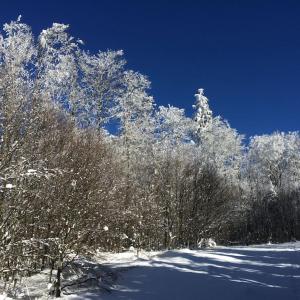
{"type": "Point", "coordinates": [102, 85]}
{"type": "Point", "coordinates": [203, 115]}
{"type": "Point", "coordinates": [272, 172]}
{"type": "Point", "coordinates": [173, 126]}
{"type": "Point", "coordinates": [222, 148]}
{"type": "Point", "coordinates": [274, 161]}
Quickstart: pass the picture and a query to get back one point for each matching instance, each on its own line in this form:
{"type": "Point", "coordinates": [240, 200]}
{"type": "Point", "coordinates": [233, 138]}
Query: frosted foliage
{"type": "Point", "coordinates": [174, 126]}
{"type": "Point", "coordinates": [101, 83]}
{"type": "Point", "coordinates": [17, 47]}
{"type": "Point", "coordinates": [221, 146]}
{"type": "Point", "coordinates": [275, 160]}
{"type": "Point", "coordinates": [134, 109]}
{"type": "Point", "coordinates": [203, 114]}
{"type": "Point", "coordinates": [17, 52]}
{"type": "Point", "coordinates": [94, 89]}
{"type": "Point", "coordinates": [134, 101]}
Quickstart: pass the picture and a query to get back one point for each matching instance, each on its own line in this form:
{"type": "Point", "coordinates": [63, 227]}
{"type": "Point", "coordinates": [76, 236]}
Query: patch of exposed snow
{"type": "Point", "coordinates": [252, 272]}
{"type": "Point", "coordinates": [9, 186]}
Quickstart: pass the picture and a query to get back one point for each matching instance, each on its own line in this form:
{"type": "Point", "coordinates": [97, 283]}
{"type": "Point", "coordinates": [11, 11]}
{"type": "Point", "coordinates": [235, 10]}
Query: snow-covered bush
{"type": "Point", "coordinates": [207, 243]}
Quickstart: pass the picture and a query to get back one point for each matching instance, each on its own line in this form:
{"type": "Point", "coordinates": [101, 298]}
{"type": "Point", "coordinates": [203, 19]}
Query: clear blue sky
{"type": "Point", "coordinates": [246, 54]}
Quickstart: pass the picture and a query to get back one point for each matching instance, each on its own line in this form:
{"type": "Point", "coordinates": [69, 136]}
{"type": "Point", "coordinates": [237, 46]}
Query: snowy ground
{"type": "Point", "coordinates": [254, 272]}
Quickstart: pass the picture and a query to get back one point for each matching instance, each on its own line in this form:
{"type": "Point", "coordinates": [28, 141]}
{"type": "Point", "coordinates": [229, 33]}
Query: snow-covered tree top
{"type": "Point", "coordinates": [203, 114]}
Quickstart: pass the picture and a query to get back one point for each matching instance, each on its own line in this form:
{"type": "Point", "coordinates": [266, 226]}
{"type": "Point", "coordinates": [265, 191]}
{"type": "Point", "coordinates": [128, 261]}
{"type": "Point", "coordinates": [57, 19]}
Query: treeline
{"type": "Point", "coordinates": [87, 162]}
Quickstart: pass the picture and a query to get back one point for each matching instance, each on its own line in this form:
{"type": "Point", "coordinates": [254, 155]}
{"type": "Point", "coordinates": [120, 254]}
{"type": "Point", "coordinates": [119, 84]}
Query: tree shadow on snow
{"type": "Point", "coordinates": [221, 273]}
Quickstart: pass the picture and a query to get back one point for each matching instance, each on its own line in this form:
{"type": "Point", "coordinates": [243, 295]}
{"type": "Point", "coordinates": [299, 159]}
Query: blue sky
{"type": "Point", "coordinates": [246, 54]}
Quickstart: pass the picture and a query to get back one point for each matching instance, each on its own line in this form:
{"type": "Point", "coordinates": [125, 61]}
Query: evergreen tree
{"type": "Point", "coordinates": [203, 115]}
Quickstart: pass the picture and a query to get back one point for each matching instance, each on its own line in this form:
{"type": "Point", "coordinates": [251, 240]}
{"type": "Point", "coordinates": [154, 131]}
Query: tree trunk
{"type": "Point", "coordinates": [58, 280]}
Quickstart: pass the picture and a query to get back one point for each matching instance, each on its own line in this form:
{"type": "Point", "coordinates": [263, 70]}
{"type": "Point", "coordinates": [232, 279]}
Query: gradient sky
{"type": "Point", "coordinates": [245, 54]}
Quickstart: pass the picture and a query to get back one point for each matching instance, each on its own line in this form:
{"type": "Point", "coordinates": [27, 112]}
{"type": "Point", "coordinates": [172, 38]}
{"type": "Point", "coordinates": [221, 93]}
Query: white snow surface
{"type": "Point", "coordinates": [227, 273]}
